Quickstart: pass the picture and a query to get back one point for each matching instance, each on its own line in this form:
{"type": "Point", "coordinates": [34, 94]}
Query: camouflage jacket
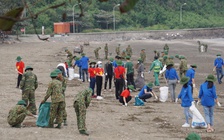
{"type": "Point", "coordinates": [106, 48]}
{"type": "Point", "coordinates": [15, 111]}
{"type": "Point", "coordinates": [64, 84]}
{"type": "Point", "coordinates": [129, 51]}
{"type": "Point", "coordinates": [118, 50]}
{"type": "Point", "coordinates": [143, 56]}
{"type": "Point", "coordinates": [83, 97]}
{"type": "Point", "coordinates": [183, 65]}
{"type": "Point", "coordinates": [69, 54]}
{"type": "Point", "coordinates": [55, 91]}
{"type": "Point", "coordinates": [29, 81]}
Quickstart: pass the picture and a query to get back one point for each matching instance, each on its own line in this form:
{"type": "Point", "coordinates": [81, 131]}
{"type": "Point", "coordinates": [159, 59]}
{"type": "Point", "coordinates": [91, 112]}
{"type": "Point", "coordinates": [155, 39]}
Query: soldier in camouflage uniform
{"type": "Point", "coordinates": [106, 51]}
{"type": "Point", "coordinates": [118, 49]}
{"type": "Point", "coordinates": [156, 54]}
{"type": "Point", "coordinates": [123, 54]}
{"type": "Point", "coordinates": [183, 66]}
{"type": "Point", "coordinates": [64, 85]}
{"type": "Point", "coordinates": [96, 51]}
{"type": "Point", "coordinates": [57, 101]}
{"type": "Point", "coordinates": [70, 57]}
{"type": "Point", "coordinates": [143, 55]}
{"type": "Point", "coordinates": [129, 51]}
{"type": "Point", "coordinates": [166, 48]}
{"type": "Point", "coordinates": [170, 60]}
{"type": "Point", "coordinates": [81, 103]}
{"type": "Point", "coordinates": [28, 85]}
{"type": "Point", "coordinates": [17, 114]}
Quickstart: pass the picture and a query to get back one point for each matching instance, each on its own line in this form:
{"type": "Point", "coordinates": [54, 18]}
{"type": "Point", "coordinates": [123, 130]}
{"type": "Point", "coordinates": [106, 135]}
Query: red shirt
{"type": "Point", "coordinates": [125, 93]}
{"type": "Point", "coordinates": [20, 67]}
{"type": "Point", "coordinates": [99, 71]}
{"type": "Point", "coordinates": [92, 72]}
{"type": "Point", "coordinates": [119, 71]}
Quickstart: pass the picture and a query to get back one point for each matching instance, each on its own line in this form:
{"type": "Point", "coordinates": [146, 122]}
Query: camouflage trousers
{"type": "Point", "coordinates": [80, 110]}
{"type": "Point", "coordinates": [56, 112]}
{"type": "Point", "coordinates": [29, 96]}
{"type": "Point", "coordinates": [182, 73]}
{"type": "Point", "coordinates": [16, 120]}
{"type": "Point", "coordinates": [106, 55]}
{"type": "Point", "coordinates": [97, 55]}
{"type": "Point", "coordinates": [64, 114]}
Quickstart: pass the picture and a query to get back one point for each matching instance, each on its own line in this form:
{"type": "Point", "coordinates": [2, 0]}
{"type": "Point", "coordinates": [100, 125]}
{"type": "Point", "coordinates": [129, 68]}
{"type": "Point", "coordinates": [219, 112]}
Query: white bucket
{"type": "Point", "coordinates": [71, 73]}
{"type": "Point", "coordinates": [163, 94]}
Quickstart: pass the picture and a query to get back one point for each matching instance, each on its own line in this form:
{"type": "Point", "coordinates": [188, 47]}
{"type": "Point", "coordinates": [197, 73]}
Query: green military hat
{"type": "Point", "coordinates": [194, 66]}
{"type": "Point", "coordinates": [66, 49]}
{"type": "Point", "coordinates": [18, 58]}
{"type": "Point", "coordinates": [128, 57]}
{"type": "Point", "coordinates": [83, 54]}
{"type": "Point", "coordinates": [111, 59]}
{"type": "Point", "coordinates": [193, 136]}
{"type": "Point", "coordinates": [210, 78]}
{"type": "Point", "coordinates": [21, 102]}
{"type": "Point", "coordinates": [150, 85]}
{"type": "Point", "coordinates": [28, 68]}
{"type": "Point", "coordinates": [177, 56]}
{"type": "Point", "coordinates": [169, 64]}
{"type": "Point", "coordinates": [93, 62]}
{"type": "Point", "coordinates": [119, 62]}
{"type": "Point", "coordinates": [165, 52]}
{"type": "Point", "coordinates": [218, 54]}
{"type": "Point", "coordinates": [53, 74]}
{"type": "Point", "coordinates": [131, 87]}
{"type": "Point", "coordinates": [171, 57]}
{"type": "Point", "coordinates": [140, 59]}
{"type": "Point", "coordinates": [77, 58]}
{"type": "Point", "coordinates": [165, 57]}
{"type": "Point", "coordinates": [155, 51]}
{"type": "Point", "coordinates": [57, 71]}
{"type": "Point", "coordinates": [184, 80]}
{"type": "Point", "coordinates": [143, 49]}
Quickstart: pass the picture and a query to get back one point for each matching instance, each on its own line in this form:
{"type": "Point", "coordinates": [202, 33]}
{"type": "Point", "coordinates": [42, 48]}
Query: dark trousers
{"type": "Point", "coordinates": [121, 100]}
{"type": "Point", "coordinates": [19, 79]}
{"type": "Point", "coordinates": [61, 68]}
{"type": "Point", "coordinates": [92, 84]}
{"type": "Point", "coordinates": [219, 74]}
{"type": "Point", "coordinates": [84, 72]}
{"type": "Point", "coordinates": [99, 83]}
{"type": "Point", "coordinates": [80, 73]}
{"type": "Point", "coordinates": [192, 89]}
{"type": "Point", "coordinates": [130, 79]}
{"type": "Point", "coordinates": [145, 96]}
{"type": "Point", "coordinates": [119, 84]}
{"type": "Point", "coordinates": [108, 77]}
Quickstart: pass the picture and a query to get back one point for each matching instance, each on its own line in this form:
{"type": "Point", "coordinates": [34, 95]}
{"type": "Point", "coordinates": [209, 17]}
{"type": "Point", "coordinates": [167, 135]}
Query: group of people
{"type": "Point", "coordinates": [122, 74]}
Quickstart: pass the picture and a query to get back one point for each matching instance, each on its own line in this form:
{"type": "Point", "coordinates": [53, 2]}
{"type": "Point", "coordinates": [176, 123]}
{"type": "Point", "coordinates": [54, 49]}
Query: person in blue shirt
{"type": "Point", "coordinates": [146, 92]}
{"type": "Point", "coordinates": [207, 96]}
{"type": "Point", "coordinates": [218, 63]}
{"type": "Point", "coordinates": [191, 74]}
{"type": "Point", "coordinates": [186, 99]}
{"type": "Point", "coordinates": [84, 61]}
{"type": "Point", "coordinates": [172, 80]}
{"type": "Point", "coordinates": [78, 64]}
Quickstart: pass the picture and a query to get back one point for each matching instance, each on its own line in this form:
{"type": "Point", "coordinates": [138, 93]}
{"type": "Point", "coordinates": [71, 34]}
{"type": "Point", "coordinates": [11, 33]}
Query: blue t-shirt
{"type": "Point", "coordinates": [114, 64]}
{"type": "Point", "coordinates": [171, 74]}
{"type": "Point", "coordinates": [218, 63]}
{"type": "Point", "coordinates": [78, 63]}
{"type": "Point", "coordinates": [186, 96]}
{"type": "Point", "coordinates": [190, 73]}
{"type": "Point", "coordinates": [206, 95]}
{"type": "Point", "coordinates": [84, 61]}
{"type": "Point", "coordinates": [142, 92]}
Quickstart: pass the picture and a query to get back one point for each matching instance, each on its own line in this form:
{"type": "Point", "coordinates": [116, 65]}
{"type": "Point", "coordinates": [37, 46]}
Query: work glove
{"type": "Point", "coordinates": [218, 103]}
{"type": "Point", "coordinates": [125, 81]}
{"type": "Point", "coordinates": [176, 100]}
{"type": "Point", "coordinates": [125, 104]}
{"type": "Point", "coordinates": [178, 81]}
{"type": "Point", "coordinates": [198, 102]}
{"type": "Point", "coordinates": [149, 72]}
{"type": "Point", "coordinates": [106, 74]}
{"type": "Point", "coordinates": [142, 75]}
{"type": "Point", "coordinates": [194, 85]}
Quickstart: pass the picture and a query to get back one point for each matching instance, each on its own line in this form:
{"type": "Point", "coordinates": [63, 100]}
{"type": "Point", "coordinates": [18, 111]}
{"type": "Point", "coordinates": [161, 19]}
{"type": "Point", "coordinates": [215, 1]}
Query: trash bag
{"type": "Point", "coordinates": [198, 120]}
{"type": "Point", "coordinates": [138, 102]}
{"type": "Point", "coordinates": [163, 94]}
{"type": "Point", "coordinates": [44, 114]}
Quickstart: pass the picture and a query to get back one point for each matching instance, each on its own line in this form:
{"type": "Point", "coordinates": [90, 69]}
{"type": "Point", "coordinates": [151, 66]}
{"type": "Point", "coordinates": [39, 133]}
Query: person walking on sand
{"type": "Point", "coordinates": [186, 99]}
{"type": "Point", "coordinates": [20, 69]}
{"type": "Point", "coordinates": [84, 61]}
{"type": "Point", "coordinates": [129, 68]}
{"type": "Point", "coordinates": [146, 92]}
{"type": "Point", "coordinates": [172, 80]}
{"type": "Point", "coordinates": [156, 66]}
{"type": "Point", "coordinates": [99, 79]}
{"type": "Point", "coordinates": [191, 74]}
{"type": "Point", "coordinates": [28, 85]}
{"type": "Point", "coordinates": [140, 80]}
{"type": "Point", "coordinates": [108, 70]}
{"type": "Point", "coordinates": [218, 63]}
{"type": "Point", "coordinates": [81, 103]}
{"type": "Point", "coordinates": [106, 51]}
{"type": "Point", "coordinates": [207, 96]}
{"type": "Point", "coordinates": [57, 100]}
{"type": "Point", "coordinates": [126, 95]}
{"type": "Point", "coordinates": [92, 76]}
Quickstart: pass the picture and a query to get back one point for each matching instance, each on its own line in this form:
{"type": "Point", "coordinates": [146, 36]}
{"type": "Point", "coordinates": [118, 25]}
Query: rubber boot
{"type": "Point", "coordinates": [83, 132]}
{"type": "Point", "coordinates": [65, 123]}
{"type": "Point", "coordinates": [58, 126]}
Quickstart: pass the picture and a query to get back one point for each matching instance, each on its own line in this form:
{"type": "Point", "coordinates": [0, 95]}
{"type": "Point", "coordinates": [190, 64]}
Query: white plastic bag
{"type": "Point", "coordinates": [163, 70]}
{"type": "Point", "coordinates": [71, 73]}
{"type": "Point", "coordinates": [163, 94]}
{"type": "Point", "coordinates": [198, 120]}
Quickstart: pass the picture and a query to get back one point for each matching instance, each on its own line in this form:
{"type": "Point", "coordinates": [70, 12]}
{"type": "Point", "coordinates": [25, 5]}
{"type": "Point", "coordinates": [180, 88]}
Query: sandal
{"type": "Point", "coordinates": [208, 130]}
{"type": "Point", "coordinates": [212, 130]}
